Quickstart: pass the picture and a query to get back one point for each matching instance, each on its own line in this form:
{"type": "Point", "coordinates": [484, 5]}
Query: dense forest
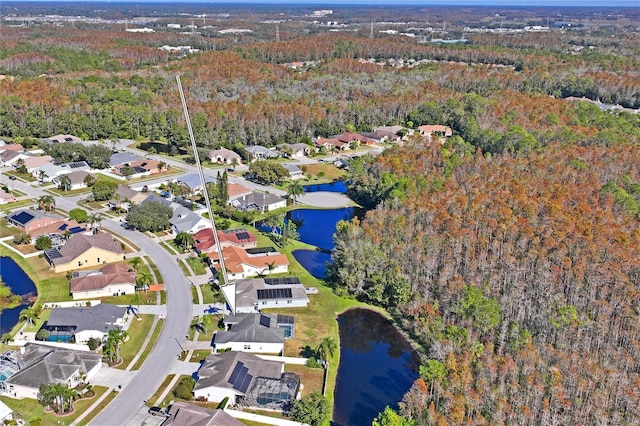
{"type": "Point", "coordinates": [509, 253]}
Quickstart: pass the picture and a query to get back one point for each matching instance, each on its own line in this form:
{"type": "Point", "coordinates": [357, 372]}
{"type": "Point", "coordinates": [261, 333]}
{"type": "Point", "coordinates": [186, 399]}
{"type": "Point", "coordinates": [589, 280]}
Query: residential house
{"type": "Point", "coordinates": [294, 150]}
{"type": "Point", "coordinates": [357, 138]}
{"type": "Point", "coordinates": [76, 179]}
{"type": "Point", "coordinates": [395, 129]}
{"type": "Point", "coordinates": [6, 413]}
{"type": "Point", "coordinates": [62, 139]}
{"type": "Point", "coordinates": [123, 158]}
{"type": "Point", "coordinates": [238, 237]}
{"type": "Point", "coordinates": [28, 220]}
{"type": "Point", "coordinates": [149, 167]}
{"type": "Point", "coordinates": [193, 183]}
{"type": "Point", "coordinates": [185, 414]}
{"type": "Point", "coordinates": [125, 197]}
{"type": "Point", "coordinates": [241, 264]}
{"type": "Point", "coordinates": [11, 157]}
{"type": "Point", "coordinates": [25, 369]}
{"type": "Point", "coordinates": [115, 279]}
{"type": "Point", "coordinates": [256, 332]}
{"type": "Point", "coordinates": [235, 191]}
{"type": "Point", "coordinates": [437, 129]}
{"type": "Point", "coordinates": [39, 222]}
{"type": "Point", "coordinates": [5, 197]}
{"type": "Point", "coordinates": [294, 171]}
{"type": "Point", "coordinates": [381, 136]}
{"type": "Point", "coordinates": [330, 145]}
{"type": "Point", "coordinates": [33, 162]}
{"type": "Point", "coordinates": [84, 323]}
{"type": "Point", "coordinates": [82, 251]}
{"type": "Point", "coordinates": [11, 147]}
{"type": "Point", "coordinates": [225, 156]}
{"type": "Point", "coordinates": [252, 295]}
{"type": "Point", "coordinates": [260, 201]}
{"type": "Point", "coordinates": [184, 220]}
{"type": "Point", "coordinates": [51, 171]}
{"type": "Point", "coordinates": [259, 152]}
{"type": "Point", "coordinates": [246, 379]}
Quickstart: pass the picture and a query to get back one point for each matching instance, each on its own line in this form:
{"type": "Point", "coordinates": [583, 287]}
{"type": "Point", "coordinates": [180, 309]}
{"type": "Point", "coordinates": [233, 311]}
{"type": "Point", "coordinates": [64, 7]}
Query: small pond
{"type": "Point", "coordinates": [377, 367]}
{"type": "Point", "coordinates": [318, 226]}
{"type": "Point", "coordinates": [21, 284]}
{"type": "Point", "coordinates": [336, 186]}
{"type": "Point", "coordinates": [314, 261]}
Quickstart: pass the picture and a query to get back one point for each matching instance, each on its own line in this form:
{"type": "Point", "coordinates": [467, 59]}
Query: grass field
{"type": "Point", "coordinates": [30, 409]}
{"type": "Point", "coordinates": [324, 172]}
{"type": "Point", "coordinates": [138, 331]}
{"type": "Point", "coordinates": [196, 265]}
{"type": "Point", "coordinates": [16, 204]}
{"type": "Point", "coordinates": [311, 378]}
{"type": "Point", "coordinates": [7, 230]}
{"type": "Point", "coordinates": [149, 348]}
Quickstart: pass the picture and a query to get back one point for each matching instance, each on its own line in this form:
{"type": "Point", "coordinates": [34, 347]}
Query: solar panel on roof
{"type": "Point", "coordinates": [76, 229]}
{"type": "Point", "coordinates": [243, 236]}
{"type": "Point", "coordinates": [265, 321]}
{"type": "Point", "coordinates": [63, 227]}
{"type": "Point", "coordinates": [282, 281]}
{"type": "Point", "coordinates": [53, 254]}
{"type": "Point", "coordinates": [274, 293]}
{"type": "Point", "coordinates": [22, 217]}
{"type": "Point", "coordinates": [240, 377]}
{"type": "Point", "coordinates": [261, 250]}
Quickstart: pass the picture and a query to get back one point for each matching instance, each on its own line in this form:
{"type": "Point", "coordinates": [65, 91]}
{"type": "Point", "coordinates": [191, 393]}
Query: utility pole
{"type": "Point", "coordinates": [205, 192]}
{"type": "Point", "coordinates": [277, 33]}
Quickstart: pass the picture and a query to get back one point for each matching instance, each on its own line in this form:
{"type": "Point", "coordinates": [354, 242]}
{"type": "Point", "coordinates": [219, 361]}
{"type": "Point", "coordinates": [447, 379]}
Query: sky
{"type": "Point", "coordinates": [527, 3]}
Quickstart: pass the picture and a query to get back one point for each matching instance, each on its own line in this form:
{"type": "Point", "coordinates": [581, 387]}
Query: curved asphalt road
{"type": "Point", "coordinates": [167, 349]}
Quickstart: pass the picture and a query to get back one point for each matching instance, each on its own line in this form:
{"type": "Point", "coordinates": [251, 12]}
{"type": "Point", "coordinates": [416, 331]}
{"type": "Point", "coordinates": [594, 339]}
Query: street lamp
{"type": "Point", "coordinates": [178, 342]}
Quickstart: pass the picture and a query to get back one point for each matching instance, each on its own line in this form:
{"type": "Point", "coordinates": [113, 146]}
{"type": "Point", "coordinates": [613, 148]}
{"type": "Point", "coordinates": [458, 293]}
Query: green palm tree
{"type": "Point", "coordinates": [112, 347]}
{"type": "Point", "coordinates": [135, 263]}
{"type": "Point", "coordinates": [41, 175]}
{"type": "Point", "coordinates": [64, 183]}
{"type": "Point", "coordinates": [184, 240]}
{"type": "Point", "coordinates": [144, 279]}
{"type": "Point", "coordinates": [295, 190]}
{"type": "Point", "coordinates": [95, 219]}
{"type": "Point", "coordinates": [29, 314]}
{"type": "Point", "coordinates": [327, 348]}
{"type": "Point", "coordinates": [46, 203]}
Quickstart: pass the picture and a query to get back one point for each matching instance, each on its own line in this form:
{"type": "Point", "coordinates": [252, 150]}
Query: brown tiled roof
{"type": "Point", "coordinates": [99, 281]}
{"type": "Point", "coordinates": [236, 190]}
{"type": "Point", "coordinates": [184, 414]}
{"type": "Point", "coordinates": [54, 228]}
{"type": "Point", "coordinates": [235, 257]}
{"type": "Point", "coordinates": [204, 238]}
{"type": "Point", "coordinates": [79, 243]}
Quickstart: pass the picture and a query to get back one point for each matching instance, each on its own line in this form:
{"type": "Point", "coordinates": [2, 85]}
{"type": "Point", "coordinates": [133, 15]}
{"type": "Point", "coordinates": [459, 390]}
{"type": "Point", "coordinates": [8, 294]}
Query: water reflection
{"type": "Point", "coordinates": [313, 261]}
{"type": "Point", "coordinates": [377, 367]}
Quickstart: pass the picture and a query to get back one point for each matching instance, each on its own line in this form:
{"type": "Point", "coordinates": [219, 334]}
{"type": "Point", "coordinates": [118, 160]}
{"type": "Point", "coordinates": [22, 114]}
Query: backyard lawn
{"type": "Point", "coordinates": [196, 265]}
{"type": "Point", "coordinates": [324, 172]}
{"type": "Point", "coordinates": [29, 409]}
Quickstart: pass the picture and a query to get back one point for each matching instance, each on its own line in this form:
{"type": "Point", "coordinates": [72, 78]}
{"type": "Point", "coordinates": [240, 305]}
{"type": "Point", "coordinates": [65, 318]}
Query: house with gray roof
{"type": "Point", "coordinates": [25, 369]}
{"type": "Point", "coordinates": [185, 414]}
{"type": "Point", "coordinates": [246, 379]}
{"type": "Point", "coordinates": [76, 179]}
{"type": "Point", "coordinates": [259, 152]}
{"type": "Point", "coordinates": [294, 171]}
{"type": "Point", "coordinates": [193, 182]}
{"type": "Point", "coordinates": [83, 323]}
{"type": "Point", "coordinates": [260, 201]}
{"type": "Point", "coordinates": [122, 158]}
{"type": "Point", "coordinates": [253, 295]}
{"type": "Point", "coordinates": [258, 333]}
{"type": "Point", "coordinates": [184, 220]}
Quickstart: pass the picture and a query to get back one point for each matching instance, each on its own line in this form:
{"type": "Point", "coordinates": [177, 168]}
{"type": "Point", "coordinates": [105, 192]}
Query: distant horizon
{"type": "Point", "coordinates": [503, 3]}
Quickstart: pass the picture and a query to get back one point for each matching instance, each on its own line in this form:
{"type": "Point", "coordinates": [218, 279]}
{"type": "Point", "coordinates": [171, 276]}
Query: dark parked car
{"type": "Point", "coordinates": [155, 411]}
{"type": "Point", "coordinates": [12, 177]}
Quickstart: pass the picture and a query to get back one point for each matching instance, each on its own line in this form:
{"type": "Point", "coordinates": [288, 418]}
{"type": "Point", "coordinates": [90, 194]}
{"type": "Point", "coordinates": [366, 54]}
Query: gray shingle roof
{"type": "Point", "coordinates": [251, 328]}
{"type": "Point", "coordinates": [247, 291]}
{"type": "Point", "coordinates": [48, 364]}
{"type": "Point", "coordinates": [216, 369]}
{"type": "Point", "coordinates": [101, 317]}
{"type": "Point", "coordinates": [122, 158]}
{"type": "Point", "coordinates": [183, 414]}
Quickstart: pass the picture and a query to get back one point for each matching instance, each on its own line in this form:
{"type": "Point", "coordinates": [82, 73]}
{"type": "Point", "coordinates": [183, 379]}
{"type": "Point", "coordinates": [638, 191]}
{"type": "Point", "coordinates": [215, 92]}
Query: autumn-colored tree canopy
{"type": "Point", "coordinates": [517, 274]}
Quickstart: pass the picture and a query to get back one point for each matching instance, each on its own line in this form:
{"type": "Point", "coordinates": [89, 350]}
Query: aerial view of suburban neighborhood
{"type": "Point", "coordinates": [305, 213]}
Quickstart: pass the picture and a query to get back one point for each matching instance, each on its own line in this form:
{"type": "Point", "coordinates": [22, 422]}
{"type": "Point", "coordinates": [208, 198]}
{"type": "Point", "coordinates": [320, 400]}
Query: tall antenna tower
{"type": "Point", "coordinates": [371, 31]}
{"type": "Point", "coordinates": [225, 278]}
{"type": "Point", "coordinates": [277, 33]}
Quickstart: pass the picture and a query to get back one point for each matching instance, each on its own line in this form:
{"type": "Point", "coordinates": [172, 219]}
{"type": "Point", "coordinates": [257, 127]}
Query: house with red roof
{"type": "Point", "coordinates": [241, 263]}
{"type": "Point", "coordinates": [238, 237]}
